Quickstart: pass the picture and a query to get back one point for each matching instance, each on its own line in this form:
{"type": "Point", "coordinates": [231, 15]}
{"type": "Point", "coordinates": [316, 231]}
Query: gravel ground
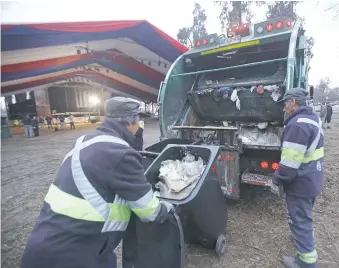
{"type": "Point", "coordinates": [257, 230]}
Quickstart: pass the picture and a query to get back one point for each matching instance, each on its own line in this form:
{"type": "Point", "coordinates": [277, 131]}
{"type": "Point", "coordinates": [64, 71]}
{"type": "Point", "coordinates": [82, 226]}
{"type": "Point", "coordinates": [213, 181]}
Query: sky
{"type": "Point", "coordinates": [171, 15]}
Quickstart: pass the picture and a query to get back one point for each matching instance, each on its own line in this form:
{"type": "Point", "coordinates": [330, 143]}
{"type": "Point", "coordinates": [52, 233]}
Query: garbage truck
{"type": "Point", "coordinates": [225, 91]}
{"type": "Point", "coordinates": [219, 113]}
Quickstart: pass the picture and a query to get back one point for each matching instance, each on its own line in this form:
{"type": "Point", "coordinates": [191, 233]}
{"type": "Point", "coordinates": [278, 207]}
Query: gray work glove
{"type": "Point", "coordinates": [276, 189]}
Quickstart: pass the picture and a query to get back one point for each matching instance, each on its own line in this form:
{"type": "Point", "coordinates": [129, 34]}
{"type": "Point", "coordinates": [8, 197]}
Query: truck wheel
{"type": "Point", "coordinates": [221, 245]}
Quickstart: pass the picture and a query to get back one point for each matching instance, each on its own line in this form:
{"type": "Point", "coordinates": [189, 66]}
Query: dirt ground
{"type": "Point", "coordinates": [257, 230]}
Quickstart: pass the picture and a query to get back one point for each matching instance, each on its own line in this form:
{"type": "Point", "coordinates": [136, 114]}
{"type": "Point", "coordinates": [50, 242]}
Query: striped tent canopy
{"type": "Point", "coordinates": [130, 57]}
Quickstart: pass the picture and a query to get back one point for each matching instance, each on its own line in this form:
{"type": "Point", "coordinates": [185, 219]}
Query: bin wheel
{"type": "Point", "coordinates": [221, 245]}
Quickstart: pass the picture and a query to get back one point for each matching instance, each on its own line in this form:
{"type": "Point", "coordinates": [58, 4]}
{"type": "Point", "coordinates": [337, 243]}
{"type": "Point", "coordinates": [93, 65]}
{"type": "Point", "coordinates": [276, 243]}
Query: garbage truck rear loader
{"type": "Point", "coordinates": [224, 92]}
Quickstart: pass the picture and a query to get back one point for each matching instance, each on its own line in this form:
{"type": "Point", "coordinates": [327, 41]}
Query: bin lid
{"type": "Point", "coordinates": [154, 245]}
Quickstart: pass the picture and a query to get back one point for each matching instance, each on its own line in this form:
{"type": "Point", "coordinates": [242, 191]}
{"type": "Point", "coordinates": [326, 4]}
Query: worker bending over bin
{"type": "Point", "coordinates": [88, 207]}
{"type": "Point", "coordinates": [301, 174]}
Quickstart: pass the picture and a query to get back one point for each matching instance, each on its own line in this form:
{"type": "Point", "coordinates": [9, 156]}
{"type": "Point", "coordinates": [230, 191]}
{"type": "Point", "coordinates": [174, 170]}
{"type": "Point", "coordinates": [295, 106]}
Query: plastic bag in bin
{"type": "Point", "coordinates": [177, 175]}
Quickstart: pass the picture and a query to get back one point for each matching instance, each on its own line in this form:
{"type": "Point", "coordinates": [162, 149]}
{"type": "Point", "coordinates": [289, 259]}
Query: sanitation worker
{"type": "Point", "coordinates": [88, 207]}
{"type": "Point", "coordinates": [139, 139]}
{"type": "Point", "coordinates": [329, 114]}
{"type": "Point", "coordinates": [301, 174]}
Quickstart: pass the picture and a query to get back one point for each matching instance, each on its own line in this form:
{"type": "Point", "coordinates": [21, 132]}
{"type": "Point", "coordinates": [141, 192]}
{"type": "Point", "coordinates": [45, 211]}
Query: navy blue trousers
{"type": "Point", "coordinates": [301, 224]}
{"type": "Point", "coordinates": [112, 263]}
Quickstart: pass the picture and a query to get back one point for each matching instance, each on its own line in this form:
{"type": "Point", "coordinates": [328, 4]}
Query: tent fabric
{"type": "Point", "coordinates": [137, 50]}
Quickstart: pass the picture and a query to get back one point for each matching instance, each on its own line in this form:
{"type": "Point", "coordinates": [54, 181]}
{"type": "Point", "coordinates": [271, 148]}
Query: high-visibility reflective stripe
{"type": "Point", "coordinates": [78, 208]}
{"type": "Point", "coordinates": [116, 215]}
{"type": "Point", "coordinates": [309, 258]}
{"type": "Point", "coordinates": [71, 206]}
{"type": "Point", "coordinates": [318, 154]}
{"type": "Point", "coordinates": [294, 146]}
{"type": "Point", "coordinates": [119, 216]}
{"type": "Point", "coordinates": [84, 186]}
{"type": "Point", "coordinates": [290, 163]}
{"type": "Point", "coordinates": [101, 138]}
{"type": "Point", "coordinates": [309, 121]}
{"type": "Point", "coordinates": [315, 142]}
{"type": "Point", "coordinates": [287, 160]}
{"type": "Point", "coordinates": [147, 207]}
{"type": "Point", "coordinates": [291, 158]}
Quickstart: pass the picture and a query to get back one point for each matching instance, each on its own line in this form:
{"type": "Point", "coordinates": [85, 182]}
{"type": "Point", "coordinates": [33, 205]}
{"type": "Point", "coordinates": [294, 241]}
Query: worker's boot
{"type": "Point", "coordinates": [290, 262]}
{"type": "Point", "coordinates": [294, 262]}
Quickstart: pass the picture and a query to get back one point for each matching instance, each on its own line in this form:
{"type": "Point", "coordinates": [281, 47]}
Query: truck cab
{"type": "Point", "coordinates": [225, 91]}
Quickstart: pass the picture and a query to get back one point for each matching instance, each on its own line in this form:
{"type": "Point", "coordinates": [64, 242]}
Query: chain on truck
{"type": "Point", "coordinates": [224, 92]}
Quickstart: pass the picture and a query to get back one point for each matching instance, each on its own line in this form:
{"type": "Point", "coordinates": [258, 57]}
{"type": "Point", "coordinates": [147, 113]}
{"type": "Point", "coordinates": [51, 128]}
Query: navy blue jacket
{"type": "Point", "coordinates": [301, 169]}
{"type": "Point", "coordinates": [27, 121]}
{"type": "Point", "coordinates": [58, 241]}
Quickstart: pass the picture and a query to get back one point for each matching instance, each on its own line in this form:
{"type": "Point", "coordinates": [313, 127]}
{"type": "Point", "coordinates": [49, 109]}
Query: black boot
{"type": "Point", "coordinates": [295, 262]}
{"type": "Point", "coordinates": [290, 262]}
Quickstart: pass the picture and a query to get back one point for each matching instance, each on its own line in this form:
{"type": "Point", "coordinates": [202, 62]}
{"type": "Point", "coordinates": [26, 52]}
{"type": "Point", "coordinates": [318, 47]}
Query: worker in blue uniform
{"type": "Point", "coordinates": [301, 173]}
{"type": "Point", "coordinates": [88, 206]}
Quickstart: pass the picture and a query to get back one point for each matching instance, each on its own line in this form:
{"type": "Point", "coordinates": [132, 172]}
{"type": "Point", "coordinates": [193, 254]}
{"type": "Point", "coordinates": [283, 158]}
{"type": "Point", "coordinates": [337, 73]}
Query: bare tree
{"type": "Point", "coordinates": [334, 7]}
{"type": "Point", "coordinates": [234, 12]}
{"type": "Point", "coordinates": [322, 90]}
{"type": "Point", "coordinates": [188, 34]}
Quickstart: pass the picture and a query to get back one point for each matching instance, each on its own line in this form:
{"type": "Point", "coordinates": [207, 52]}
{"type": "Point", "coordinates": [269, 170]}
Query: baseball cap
{"type": "Point", "coordinates": [299, 94]}
{"type": "Point", "coordinates": [121, 107]}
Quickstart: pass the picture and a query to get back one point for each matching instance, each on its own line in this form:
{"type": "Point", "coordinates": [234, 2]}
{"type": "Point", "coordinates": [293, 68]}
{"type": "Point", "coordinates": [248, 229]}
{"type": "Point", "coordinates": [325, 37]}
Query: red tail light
{"type": "Point", "coordinates": [264, 164]}
{"type": "Point", "coordinates": [279, 25]}
{"type": "Point", "coordinates": [204, 42]}
{"type": "Point", "coordinates": [269, 27]}
{"type": "Point", "coordinates": [288, 23]}
{"type": "Point", "coordinates": [198, 44]}
{"type": "Point", "coordinates": [275, 166]}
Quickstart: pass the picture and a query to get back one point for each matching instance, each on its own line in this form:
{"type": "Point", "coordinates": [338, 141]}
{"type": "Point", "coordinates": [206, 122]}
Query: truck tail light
{"type": "Point", "coordinates": [275, 166]}
{"type": "Point", "coordinates": [264, 164]}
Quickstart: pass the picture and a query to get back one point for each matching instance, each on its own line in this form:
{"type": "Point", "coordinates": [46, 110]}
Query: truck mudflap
{"type": "Point", "coordinates": [154, 245]}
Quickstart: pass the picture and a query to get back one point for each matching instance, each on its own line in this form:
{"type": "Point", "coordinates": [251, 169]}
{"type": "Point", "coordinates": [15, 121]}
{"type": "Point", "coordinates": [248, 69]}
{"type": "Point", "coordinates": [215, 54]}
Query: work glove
{"type": "Point", "coordinates": [276, 188]}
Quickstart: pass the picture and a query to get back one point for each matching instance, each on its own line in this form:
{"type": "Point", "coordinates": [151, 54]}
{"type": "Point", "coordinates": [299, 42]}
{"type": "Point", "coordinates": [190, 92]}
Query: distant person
{"type": "Point", "coordinates": [71, 121]}
{"type": "Point", "coordinates": [139, 139]}
{"type": "Point", "coordinates": [328, 115]}
{"type": "Point", "coordinates": [323, 114]}
{"type": "Point", "coordinates": [35, 126]}
{"type": "Point", "coordinates": [49, 122]}
{"type": "Point", "coordinates": [62, 122]}
{"type": "Point", "coordinates": [41, 122]}
{"type": "Point", "coordinates": [55, 123]}
{"type": "Point", "coordinates": [27, 121]}
{"type": "Point", "coordinates": [16, 123]}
